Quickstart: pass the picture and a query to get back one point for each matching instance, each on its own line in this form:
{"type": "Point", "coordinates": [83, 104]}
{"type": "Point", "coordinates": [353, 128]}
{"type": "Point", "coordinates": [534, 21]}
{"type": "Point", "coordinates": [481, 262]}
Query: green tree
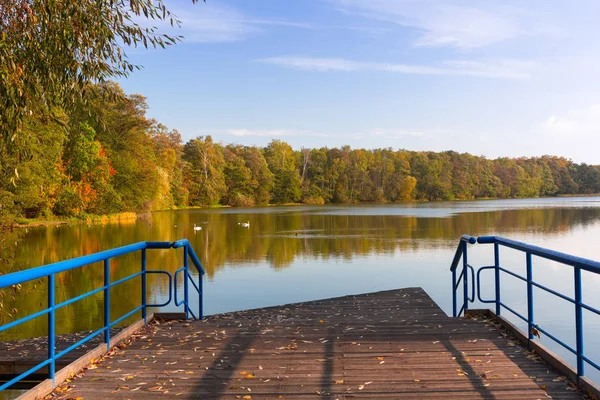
{"type": "Point", "coordinates": [337, 179]}
{"type": "Point", "coordinates": [168, 151]}
{"type": "Point", "coordinates": [282, 163]}
{"type": "Point", "coordinates": [40, 175]}
{"type": "Point", "coordinates": [51, 51]}
{"type": "Point", "coordinates": [204, 173]}
{"type": "Point", "coordinates": [125, 133]}
{"type": "Point", "coordinates": [82, 153]}
{"type": "Point", "coordinates": [238, 178]}
{"type": "Point", "coordinates": [433, 172]}
{"type": "Point", "coordinates": [260, 172]}
{"type": "Point", "coordinates": [314, 181]}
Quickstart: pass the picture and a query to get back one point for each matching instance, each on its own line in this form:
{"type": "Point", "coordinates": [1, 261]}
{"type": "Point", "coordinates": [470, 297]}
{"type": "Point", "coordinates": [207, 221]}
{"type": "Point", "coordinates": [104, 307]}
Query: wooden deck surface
{"type": "Point", "coordinates": [18, 356]}
{"type": "Point", "coordinates": [393, 344]}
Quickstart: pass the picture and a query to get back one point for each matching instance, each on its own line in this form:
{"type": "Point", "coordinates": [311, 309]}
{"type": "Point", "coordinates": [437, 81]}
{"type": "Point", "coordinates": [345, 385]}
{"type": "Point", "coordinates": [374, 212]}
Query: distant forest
{"type": "Point", "coordinates": [105, 156]}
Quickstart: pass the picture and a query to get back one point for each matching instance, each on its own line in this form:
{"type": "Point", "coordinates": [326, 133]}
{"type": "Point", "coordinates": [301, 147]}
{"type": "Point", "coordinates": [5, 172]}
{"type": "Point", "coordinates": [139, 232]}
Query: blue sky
{"type": "Point", "coordinates": [493, 78]}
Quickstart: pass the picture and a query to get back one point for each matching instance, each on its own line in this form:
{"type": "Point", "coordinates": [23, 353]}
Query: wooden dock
{"type": "Point", "coordinates": [392, 344]}
{"type": "Point", "coordinates": [18, 356]}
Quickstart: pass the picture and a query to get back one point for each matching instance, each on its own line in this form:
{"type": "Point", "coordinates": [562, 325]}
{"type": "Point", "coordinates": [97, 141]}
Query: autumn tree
{"type": "Point", "coordinates": [238, 178]}
{"type": "Point", "coordinates": [314, 176]}
{"type": "Point", "coordinates": [282, 163]}
{"type": "Point", "coordinates": [204, 172]}
{"type": "Point", "coordinates": [260, 172]}
{"type": "Point", "coordinates": [39, 174]}
{"type": "Point", "coordinates": [51, 52]}
{"type": "Point", "coordinates": [168, 151]}
{"type": "Point", "coordinates": [124, 132]}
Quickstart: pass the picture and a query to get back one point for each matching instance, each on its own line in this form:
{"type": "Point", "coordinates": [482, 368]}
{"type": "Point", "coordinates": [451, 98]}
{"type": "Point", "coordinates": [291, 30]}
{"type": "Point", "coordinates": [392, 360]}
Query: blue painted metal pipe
{"type": "Point", "coordinates": [195, 260]}
{"type": "Point", "coordinates": [175, 275]}
{"type": "Point", "coordinates": [51, 328]}
{"type": "Point", "coordinates": [497, 277]}
{"type": "Point", "coordinates": [465, 277]}
{"type": "Point", "coordinates": [24, 319]}
{"type": "Point", "coordinates": [563, 258]}
{"type": "Point", "coordinates": [186, 274]}
{"type": "Point", "coordinates": [144, 312]}
{"type": "Point", "coordinates": [200, 296]}
{"type": "Point", "coordinates": [24, 375]}
{"type": "Point", "coordinates": [578, 322]}
{"type": "Point", "coordinates": [50, 271]}
{"type": "Point", "coordinates": [454, 310]}
{"type": "Point", "coordinates": [461, 252]}
{"type": "Point", "coordinates": [530, 305]}
{"type": "Point", "coordinates": [35, 273]}
{"type": "Point", "coordinates": [107, 302]}
{"type": "Point", "coordinates": [578, 265]}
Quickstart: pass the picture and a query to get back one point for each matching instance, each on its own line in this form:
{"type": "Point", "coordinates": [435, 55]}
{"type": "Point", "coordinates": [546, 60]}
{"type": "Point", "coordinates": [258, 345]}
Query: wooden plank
{"type": "Point", "coordinates": [43, 388]}
{"type": "Point", "coordinates": [586, 385]}
{"type": "Point", "coordinates": [19, 356]}
{"type": "Point", "coordinates": [379, 345]}
{"type": "Point", "coordinates": [169, 316]}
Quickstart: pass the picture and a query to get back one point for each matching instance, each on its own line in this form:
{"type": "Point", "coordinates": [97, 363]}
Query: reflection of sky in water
{"type": "Point", "coordinates": [426, 265]}
{"type": "Point", "coordinates": [439, 209]}
{"type": "Point", "coordinates": [293, 254]}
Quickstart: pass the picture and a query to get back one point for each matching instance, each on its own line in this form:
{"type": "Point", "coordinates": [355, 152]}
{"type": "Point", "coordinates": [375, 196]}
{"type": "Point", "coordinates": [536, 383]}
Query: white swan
{"type": "Point", "coordinates": [246, 224]}
{"type": "Point", "coordinates": [197, 228]}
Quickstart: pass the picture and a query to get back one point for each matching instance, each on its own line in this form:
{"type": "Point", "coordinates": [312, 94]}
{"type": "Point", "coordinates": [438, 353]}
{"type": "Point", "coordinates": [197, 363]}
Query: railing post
{"type": "Point", "coordinates": [454, 310]}
{"type": "Point", "coordinates": [465, 278]}
{"type": "Point", "coordinates": [497, 272]}
{"type": "Point", "coordinates": [579, 322]}
{"type": "Point", "coordinates": [186, 275]}
{"type": "Point", "coordinates": [144, 311]}
{"type": "Point", "coordinates": [107, 302]}
{"type": "Point", "coordinates": [51, 328]}
{"type": "Point", "coordinates": [200, 296]}
{"type": "Point", "coordinates": [530, 322]}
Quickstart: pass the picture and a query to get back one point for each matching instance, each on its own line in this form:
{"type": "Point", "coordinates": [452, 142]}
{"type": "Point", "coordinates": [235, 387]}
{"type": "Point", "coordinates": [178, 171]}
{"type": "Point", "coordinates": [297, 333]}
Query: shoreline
{"type": "Point", "coordinates": [90, 220]}
{"type": "Point", "coordinates": [103, 219]}
{"type": "Point", "coordinates": [40, 223]}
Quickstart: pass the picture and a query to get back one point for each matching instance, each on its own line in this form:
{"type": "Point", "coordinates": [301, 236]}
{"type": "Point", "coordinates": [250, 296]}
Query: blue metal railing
{"type": "Point", "coordinates": [577, 263]}
{"type": "Point", "coordinates": [461, 252]}
{"type": "Point", "coordinates": [50, 271]}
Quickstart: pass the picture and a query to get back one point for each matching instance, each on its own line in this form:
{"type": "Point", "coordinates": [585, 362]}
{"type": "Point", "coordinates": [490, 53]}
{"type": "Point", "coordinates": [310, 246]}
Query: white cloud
{"type": "Point", "coordinates": [210, 23]}
{"type": "Point", "coordinates": [395, 133]}
{"type": "Point", "coordinates": [506, 69]}
{"type": "Point", "coordinates": [443, 23]}
{"type": "Point", "coordinates": [219, 23]}
{"type": "Point", "coordinates": [259, 132]}
{"type": "Point", "coordinates": [280, 23]}
{"type": "Point", "coordinates": [315, 64]}
{"type": "Point", "coordinates": [584, 122]}
{"type": "Point", "coordinates": [204, 23]}
{"type": "Point", "coordinates": [301, 133]}
{"type": "Point", "coordinates": [274, 133]}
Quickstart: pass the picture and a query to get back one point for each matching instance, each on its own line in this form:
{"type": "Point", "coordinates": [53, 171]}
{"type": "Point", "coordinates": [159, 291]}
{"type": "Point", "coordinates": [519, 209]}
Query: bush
{"type": "Point", "coordinates": [68, 203]}
{"type": "Point", "coordinates": [318, 200]}
{"type": "Point", "coordinates": [107, 202]}
{"type": "Point", "coordinates": [240, 200]}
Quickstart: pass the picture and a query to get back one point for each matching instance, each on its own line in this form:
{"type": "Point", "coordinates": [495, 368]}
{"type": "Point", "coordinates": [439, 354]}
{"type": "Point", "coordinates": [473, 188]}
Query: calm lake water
{"type": "Point", "coordinates": [291, 254]}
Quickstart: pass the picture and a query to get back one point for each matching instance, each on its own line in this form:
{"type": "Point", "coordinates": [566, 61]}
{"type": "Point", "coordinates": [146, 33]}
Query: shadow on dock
{"type": "Point", "coordinates": [393, 344]}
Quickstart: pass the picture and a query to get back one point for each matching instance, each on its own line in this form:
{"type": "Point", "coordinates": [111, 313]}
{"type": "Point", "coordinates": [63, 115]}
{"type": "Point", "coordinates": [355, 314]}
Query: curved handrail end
{"type": "Point", "coordinates": [179, 243]}
{"type": "Point", "coordinates": [468, 238]}
{"type": "Point", "coordinates": [458, 254]}
{"type": "Point", "coordinates": [486, 239]}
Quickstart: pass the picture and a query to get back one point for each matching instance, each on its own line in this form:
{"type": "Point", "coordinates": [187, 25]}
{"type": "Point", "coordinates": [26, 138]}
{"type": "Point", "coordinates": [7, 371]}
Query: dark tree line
{"type": "Point", "coordinates": [105, 156]}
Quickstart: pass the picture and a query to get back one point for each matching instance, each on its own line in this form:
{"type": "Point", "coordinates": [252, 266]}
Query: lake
{"type": "Point", "coordinates": [292, 254]}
